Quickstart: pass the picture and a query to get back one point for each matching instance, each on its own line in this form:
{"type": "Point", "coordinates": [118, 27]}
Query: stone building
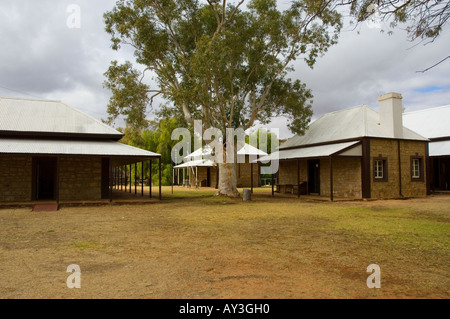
{"type": "Point", "coordinates": [200, 171]}
{"type": "Point", "coordinates": [356, 153]}
{"type": "Point", "coordinates": [433, 123]}
{"type": "Point", "coordinates": [51, 151]}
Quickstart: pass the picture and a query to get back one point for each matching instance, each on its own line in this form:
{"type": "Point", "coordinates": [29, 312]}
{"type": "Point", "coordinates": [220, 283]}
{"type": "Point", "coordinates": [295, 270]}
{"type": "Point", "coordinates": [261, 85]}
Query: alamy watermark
{"type": "Point", "coordinates": [374, 20]}
{"type": "Point", "coordinates": [74, 280]}
{"type": "Point", "coordinates": [234, 141]}
{"type": "Point", "coordinates": [374, 280]}
{"type": "Point", "coordinates": [74, 19]}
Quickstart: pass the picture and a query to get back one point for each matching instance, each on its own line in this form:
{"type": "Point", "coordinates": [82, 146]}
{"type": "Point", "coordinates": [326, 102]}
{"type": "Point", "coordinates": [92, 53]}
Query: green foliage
{"type": "Point", "coordinates": [129, 95]}
{"type": "Point", "coordinates": [156, 138]}
{"type": "Point", "coordinates": [269, 136]}
{"type": "Point", "coordinates": [216, 61]}
{"type": "Point", "coordinates": [261, 132]}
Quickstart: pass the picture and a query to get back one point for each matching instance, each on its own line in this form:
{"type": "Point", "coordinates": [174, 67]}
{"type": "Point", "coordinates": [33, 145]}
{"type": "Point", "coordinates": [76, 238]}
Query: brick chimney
{"type": "Point", "coordinates": [390, 110]}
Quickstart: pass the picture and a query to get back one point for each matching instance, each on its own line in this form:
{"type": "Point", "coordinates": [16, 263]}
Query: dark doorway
{"type": "Point", "coordinates": [208, 176]}
{"type": "Point", "coordinates": [105, 178]}
{"type": "Point", "coordinates": [314, 177]}
{"type": "Point", "coordinates": [45, 178]}
{"type": "Point", "coordinates": [441, 176]}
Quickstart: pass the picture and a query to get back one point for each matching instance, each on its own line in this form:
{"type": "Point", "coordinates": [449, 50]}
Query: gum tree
{"type": "Point", "coordinates": [225, 63]}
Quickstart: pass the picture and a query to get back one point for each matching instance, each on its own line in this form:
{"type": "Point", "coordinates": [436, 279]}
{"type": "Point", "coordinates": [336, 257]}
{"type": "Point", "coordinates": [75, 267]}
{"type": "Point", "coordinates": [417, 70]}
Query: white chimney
{"type": "Point", "coordinates": [391, 119]}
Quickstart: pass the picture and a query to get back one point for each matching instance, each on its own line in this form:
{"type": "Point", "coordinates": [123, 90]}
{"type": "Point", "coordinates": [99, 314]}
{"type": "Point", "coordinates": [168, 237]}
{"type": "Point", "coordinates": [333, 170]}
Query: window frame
{"type": "Point", "coordinates": [421, 176]}
{"type": "Point", "coordinates": [384, 161]}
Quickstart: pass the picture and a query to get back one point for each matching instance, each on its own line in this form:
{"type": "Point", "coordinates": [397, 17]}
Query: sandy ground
{"type": "Point", "coordinates": [212, 248]}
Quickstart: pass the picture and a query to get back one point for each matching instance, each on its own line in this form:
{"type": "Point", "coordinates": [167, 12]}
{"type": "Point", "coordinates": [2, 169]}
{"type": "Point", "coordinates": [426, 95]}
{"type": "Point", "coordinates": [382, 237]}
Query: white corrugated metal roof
{"type": "Point", "coordinates": [355, 122]}
{"type": "Point", "coordinates": [91, 148]}
{"type": "Point", "coordinates": [313, 151]}
{"type": "Point", "coordinates": [247, 149]}
{"type": "Point", "coordinates": [441, 148]}
{"type": "Point", "coordinates": [200, 163]}
{"type": "Point", "coordinates": [26, 115]}
{"type": "Point", "coordinates": [431, 123]}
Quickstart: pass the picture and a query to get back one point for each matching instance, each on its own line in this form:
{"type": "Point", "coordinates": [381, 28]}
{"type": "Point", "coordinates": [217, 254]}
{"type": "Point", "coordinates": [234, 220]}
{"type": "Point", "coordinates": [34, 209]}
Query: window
{"type": "Point", "coordinates": [379, 169]}
{"type": "Point", "coordinates": [417, 168]}
{"type": "Point", "coordinates": [380, 173]}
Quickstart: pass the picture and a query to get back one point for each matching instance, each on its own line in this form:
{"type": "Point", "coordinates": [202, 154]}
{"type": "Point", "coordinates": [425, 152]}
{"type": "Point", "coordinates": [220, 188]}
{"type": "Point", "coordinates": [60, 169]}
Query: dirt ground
{"type": "Point", "coordinates": [199, 246]}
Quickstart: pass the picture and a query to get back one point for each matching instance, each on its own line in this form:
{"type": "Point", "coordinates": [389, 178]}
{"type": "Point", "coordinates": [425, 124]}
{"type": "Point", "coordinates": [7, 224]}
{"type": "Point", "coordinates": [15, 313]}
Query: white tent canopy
{"type": "Point", "coordinates": [200, 163]}
{"type": "Point", "coordinates": [206, 151]}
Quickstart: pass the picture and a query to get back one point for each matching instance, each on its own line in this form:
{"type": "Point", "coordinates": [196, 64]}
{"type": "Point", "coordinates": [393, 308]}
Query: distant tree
{"type": "Point", "coordinates": [256, 136]}
{"type": "Point", "coordinates": [270, 137]}
{"type": "Point", "coordinates": [218, 62]}
{"type": "Point", "coordinates": [156, 138]}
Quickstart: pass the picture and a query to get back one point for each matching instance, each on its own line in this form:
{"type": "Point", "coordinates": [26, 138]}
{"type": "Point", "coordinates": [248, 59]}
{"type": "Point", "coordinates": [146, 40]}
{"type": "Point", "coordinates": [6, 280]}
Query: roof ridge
{"type": "Point", "coordinates": [28, 99]}
{"type": "Point", "coordinates": [346, 109]}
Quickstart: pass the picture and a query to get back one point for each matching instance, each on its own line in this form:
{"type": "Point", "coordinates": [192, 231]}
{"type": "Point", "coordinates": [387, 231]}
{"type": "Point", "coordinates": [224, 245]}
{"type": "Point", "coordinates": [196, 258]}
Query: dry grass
{"type": "Point", "coordinates": [195, 245]}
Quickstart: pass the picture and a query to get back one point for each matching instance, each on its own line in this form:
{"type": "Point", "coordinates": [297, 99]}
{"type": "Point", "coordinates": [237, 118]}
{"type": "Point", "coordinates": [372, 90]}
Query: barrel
{"type": "Point", "coordinates": [247, 194]}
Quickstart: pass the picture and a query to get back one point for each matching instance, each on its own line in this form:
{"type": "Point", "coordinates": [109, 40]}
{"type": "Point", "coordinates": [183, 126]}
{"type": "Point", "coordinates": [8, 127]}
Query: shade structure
{"type": "Point", "coordinates": [106, 148]}
{"type": "Point", "coordinates": [206, 151]}
{"type": "Point", "coordinates": [431, 122]}
{"type": "Point", "coordinates": [440, 148]}
{"type": "Point", "coordinates": [342, 149]}
{"type": "Point", "coordinates": [200, 163]}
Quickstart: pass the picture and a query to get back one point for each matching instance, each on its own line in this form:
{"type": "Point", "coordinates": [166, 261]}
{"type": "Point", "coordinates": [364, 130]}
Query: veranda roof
{"type": "Point", "coordinates": [431, 122]}
{"type": "Point", "coordinates": [339, 149]}
{"type": "Point", "coordinates": [108, 148]}
{"type": "Point", "coordinates": [441, 148]}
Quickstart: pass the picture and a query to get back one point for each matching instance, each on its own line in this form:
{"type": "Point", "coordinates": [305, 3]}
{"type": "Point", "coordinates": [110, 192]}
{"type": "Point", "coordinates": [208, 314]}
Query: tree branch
{"type": "Point", "coordinates": [423, 71]}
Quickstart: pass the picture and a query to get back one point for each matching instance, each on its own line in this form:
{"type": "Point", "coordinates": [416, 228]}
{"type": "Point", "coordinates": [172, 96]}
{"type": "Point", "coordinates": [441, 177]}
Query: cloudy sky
{"type": "Point", "coordinates": [42, 57]}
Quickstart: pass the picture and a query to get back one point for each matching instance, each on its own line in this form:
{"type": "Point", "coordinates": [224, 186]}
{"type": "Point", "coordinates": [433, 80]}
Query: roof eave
{"type": "Point", "coordinates": [60, 135]}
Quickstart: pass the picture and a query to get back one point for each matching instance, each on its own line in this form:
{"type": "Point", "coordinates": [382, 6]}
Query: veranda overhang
{"type": "Point", "coordinates": [353, 148]}
{"type": "Point", "coordinates": [440, 148]}
{"type": "Point", "coordinates": [119, 153]}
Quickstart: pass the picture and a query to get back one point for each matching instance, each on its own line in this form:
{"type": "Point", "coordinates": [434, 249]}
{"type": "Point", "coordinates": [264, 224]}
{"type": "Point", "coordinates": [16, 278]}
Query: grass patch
{"type": "Point", "coordinates": [85, 245]}
{"type": "Point", "coordinates": [400, 228]}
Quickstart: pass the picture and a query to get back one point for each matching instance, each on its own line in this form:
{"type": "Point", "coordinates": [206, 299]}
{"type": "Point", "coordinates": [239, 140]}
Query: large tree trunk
{"type": "Point", "coordinates": [227, 180]}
